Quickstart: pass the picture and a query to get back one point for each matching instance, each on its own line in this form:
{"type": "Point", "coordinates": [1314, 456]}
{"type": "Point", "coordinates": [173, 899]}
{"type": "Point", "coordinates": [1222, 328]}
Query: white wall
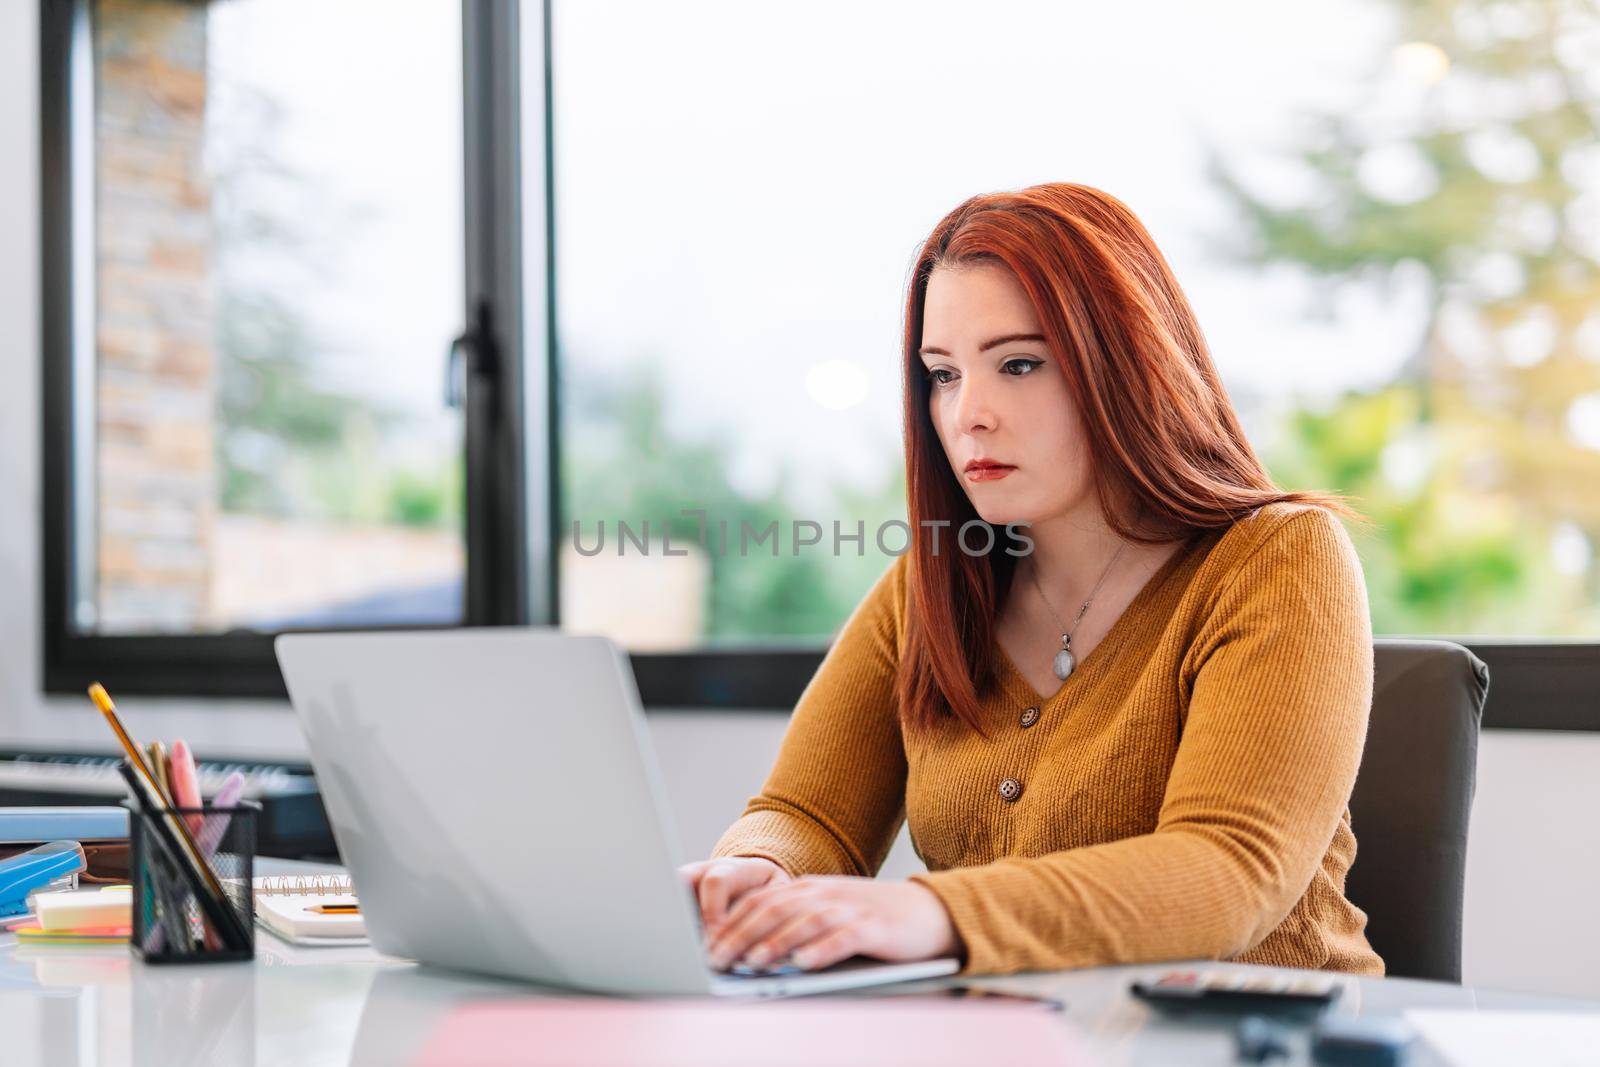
{"type": "Point", "coordinates": [1533, 863]}
{"type": "Point", "coordinates": [1534, 859]}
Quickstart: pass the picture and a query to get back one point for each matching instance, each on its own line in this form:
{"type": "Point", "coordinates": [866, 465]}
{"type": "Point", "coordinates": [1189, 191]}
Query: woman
{"type": "Point", "coordinates": [1134, 742]}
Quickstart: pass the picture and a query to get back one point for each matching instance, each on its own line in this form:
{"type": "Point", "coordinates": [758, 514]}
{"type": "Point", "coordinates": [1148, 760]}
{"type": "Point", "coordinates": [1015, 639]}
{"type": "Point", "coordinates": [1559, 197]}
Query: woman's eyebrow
{"type": "Point", "coordinates": [929, 350]}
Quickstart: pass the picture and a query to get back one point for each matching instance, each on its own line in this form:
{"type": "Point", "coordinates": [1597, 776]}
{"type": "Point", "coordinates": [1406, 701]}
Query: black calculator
{"type": "Point", "coordinates": [1239, 992]}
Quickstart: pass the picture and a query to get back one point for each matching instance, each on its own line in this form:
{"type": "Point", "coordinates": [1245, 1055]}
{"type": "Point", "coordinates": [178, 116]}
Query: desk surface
{"type": "Point", "coordinates": [96, 1006]}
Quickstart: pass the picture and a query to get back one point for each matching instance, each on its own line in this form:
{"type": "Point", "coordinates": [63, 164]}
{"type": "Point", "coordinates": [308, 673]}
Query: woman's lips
{"type": "Point", "coordinates": [988, 474]}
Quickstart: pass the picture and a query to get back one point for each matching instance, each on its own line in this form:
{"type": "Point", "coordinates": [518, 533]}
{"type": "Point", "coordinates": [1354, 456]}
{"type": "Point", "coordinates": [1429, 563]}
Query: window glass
{"type": "Point", "coordinates": [1386, 215]}
{"type": "Point", "coordinates": [276, 274]}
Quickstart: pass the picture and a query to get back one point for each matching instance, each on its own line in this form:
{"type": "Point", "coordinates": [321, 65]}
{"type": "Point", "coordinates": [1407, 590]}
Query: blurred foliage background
{"type": "Point", "coordinates": [1479, 463]}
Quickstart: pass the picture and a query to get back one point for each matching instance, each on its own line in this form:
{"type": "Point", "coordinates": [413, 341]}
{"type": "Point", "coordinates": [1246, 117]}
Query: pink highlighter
{"type": "Point", "coordinates": [186, 784]}
{"type": "Point", "coordinates": [227, 796]}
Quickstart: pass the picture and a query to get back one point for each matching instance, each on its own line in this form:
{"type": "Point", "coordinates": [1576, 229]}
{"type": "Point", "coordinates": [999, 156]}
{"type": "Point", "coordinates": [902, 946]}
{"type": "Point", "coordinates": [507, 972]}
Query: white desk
{"type": "Point", "coordinates": [97, 1006]}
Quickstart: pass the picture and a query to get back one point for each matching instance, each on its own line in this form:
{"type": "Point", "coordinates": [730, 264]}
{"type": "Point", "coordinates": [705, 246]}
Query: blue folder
{"type": "Point", "coordinates": [33, 825]}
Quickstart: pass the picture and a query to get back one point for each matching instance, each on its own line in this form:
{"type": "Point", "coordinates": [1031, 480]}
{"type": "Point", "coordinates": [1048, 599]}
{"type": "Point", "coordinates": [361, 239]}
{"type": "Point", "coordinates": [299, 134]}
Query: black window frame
{"type": "Point", "coordinates": [513, 519]}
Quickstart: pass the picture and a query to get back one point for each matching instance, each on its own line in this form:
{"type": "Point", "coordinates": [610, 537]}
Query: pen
{"type": "Point", "coordinates": [336, 909]}
{"type": "Point", "coordinates": [156, 753]}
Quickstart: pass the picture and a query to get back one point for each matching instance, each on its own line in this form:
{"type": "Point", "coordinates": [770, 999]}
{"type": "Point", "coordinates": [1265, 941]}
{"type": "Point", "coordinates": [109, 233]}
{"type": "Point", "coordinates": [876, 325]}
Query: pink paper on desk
{"type": "Point", "coordinates": [704, 1033]}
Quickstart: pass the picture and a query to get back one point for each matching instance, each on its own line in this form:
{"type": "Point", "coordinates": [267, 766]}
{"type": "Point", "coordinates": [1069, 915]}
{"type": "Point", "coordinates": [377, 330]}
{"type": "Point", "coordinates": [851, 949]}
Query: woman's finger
{"type": "Point", "coordinates": [725, 880]}
{"type": "Point", "coordinates": [692, 872]}
{"type": "Point", "coordinates": [736, 937]}
{"type": "Point", "coordinates": [758, 897]}
{"type": "Point", "coordinates": [840, 943]}
{"type": "Point", "coordinates": [804, 928]}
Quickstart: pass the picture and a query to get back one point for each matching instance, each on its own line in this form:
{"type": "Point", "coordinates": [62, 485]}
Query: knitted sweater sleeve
{"type": "Point", "coordinates": [1279, 679]}
{"type": "Point", "coordinates": [835, 798]}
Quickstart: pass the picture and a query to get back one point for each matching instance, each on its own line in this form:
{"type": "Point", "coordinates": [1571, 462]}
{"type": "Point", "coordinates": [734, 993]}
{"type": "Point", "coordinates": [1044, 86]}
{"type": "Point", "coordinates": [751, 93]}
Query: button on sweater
{"type": "Point", "coordinates": [1183, 795]}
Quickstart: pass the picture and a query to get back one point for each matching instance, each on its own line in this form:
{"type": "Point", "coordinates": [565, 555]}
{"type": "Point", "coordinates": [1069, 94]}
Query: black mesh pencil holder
{"type": "Point", "coordinates": [171, 922]}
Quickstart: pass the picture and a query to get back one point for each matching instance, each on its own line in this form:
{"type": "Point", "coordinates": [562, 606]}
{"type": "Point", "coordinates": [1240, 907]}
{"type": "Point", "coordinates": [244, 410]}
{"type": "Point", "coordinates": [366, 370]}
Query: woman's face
{"type": "Point", "coordinates": [996, 393]}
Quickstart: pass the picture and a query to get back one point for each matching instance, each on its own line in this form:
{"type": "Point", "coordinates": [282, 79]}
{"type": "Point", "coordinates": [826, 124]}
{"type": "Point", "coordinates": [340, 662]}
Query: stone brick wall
{"type": "Point", "coordinates": [154, 311]}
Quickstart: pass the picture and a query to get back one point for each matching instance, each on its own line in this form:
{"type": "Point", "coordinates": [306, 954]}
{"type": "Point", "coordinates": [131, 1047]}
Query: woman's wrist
{"type": "Point", "coordinates": [780, 868]}
{"type": "Point", "coordinates": [949, 938]}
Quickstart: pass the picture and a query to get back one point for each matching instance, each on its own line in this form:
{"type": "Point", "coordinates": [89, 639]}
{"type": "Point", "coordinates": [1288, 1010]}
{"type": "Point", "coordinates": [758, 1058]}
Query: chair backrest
{"type": "Point", "coordinates": [1411, 802]}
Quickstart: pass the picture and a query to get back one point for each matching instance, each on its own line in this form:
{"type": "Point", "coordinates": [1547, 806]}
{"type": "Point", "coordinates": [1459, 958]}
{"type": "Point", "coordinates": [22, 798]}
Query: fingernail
{"type": "Point", "coordinates": [756, 957]}
{"type": "Point", "coordinates": [801, 959]}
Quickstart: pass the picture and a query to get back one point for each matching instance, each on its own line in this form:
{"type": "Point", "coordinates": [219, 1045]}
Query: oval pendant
{"type": "Point", "coordinates": [1064, 663]}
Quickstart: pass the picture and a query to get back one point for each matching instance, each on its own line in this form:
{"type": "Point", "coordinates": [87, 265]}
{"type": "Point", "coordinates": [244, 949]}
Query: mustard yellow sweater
{"type": "Point", "coordinates": [1184, 795]}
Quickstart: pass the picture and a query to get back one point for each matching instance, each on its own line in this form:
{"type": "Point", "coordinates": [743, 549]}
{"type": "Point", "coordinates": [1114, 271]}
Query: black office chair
{"type": "Point", "coordinates": [1412, 800]}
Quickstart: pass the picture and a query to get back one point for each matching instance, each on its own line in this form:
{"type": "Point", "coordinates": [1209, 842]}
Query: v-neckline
{"type": "Point", "coordinates": [1114, 636]}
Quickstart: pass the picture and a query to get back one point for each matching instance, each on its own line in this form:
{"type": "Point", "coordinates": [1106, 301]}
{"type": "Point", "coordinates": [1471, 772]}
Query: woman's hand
{"type": "Point", "coordinates": [819, 920]}
{"type": "Point", "coordinates": [719, 883]}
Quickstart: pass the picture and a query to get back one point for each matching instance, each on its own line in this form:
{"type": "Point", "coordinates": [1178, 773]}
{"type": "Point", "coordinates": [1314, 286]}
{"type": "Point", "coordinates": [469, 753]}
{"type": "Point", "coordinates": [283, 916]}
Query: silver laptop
{"type": "Point", "coordinates": [495, 795]}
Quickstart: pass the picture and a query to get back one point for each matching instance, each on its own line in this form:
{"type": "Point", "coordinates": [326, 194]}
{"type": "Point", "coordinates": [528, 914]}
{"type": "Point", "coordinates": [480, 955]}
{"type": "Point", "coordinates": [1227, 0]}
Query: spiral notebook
{"type": "Point", "coordinates": [285, 904]}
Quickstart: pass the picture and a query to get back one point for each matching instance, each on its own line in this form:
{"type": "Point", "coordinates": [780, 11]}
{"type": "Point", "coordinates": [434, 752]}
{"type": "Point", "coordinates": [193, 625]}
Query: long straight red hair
{"type": "Point", "coordinates": [1168, 455]}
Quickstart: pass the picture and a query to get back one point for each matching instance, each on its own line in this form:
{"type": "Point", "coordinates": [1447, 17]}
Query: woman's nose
{"type": "Point", "coordinates": [974, 407]}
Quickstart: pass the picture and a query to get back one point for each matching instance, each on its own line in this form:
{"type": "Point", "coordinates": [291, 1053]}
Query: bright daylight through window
{"type": "Point", "coordinates": [273, 281]}
{"type": "Point", "coordinates": [1394, 254]}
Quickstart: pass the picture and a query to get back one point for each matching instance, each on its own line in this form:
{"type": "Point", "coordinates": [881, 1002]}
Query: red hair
{"type": "Point", "coordinates": [1168, 456]}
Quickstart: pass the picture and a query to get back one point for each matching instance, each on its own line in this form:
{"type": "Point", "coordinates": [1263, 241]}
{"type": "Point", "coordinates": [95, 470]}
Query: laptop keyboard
{"type": "Point", "coordinates": [740, 970]}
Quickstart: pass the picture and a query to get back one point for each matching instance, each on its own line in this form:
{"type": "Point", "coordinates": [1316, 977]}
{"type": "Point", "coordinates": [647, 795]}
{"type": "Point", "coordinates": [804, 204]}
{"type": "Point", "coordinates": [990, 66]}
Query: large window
{"type": "Point", "coordinates": [257, 253]}
{"type": "Point", "coordinates": [1386, 215]}
{"type": "Point", "coordinates": [276, 276]}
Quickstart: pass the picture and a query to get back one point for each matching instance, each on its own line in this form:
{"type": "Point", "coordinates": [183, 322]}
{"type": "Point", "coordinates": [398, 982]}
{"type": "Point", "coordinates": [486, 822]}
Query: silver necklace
{"type": "Point", "coordinates": [1065, 661]}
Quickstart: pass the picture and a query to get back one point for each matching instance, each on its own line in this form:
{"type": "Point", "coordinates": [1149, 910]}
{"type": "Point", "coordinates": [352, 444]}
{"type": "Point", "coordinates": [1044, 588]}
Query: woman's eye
{"type": "Point", "coordinates": [1027, 364]}
{"type": "Point", "coordinates": [933, 376]}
